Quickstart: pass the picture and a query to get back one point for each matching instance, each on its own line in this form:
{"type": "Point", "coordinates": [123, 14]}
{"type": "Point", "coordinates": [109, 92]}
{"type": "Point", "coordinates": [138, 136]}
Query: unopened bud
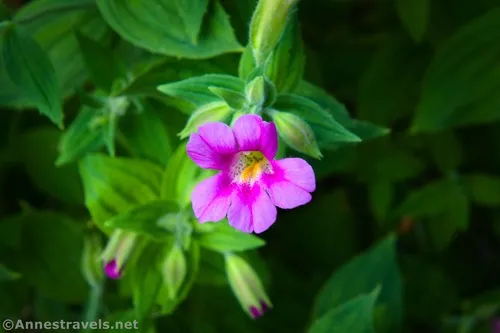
{"type": "Point", "coordinates": [260, 91]}
{"type": "Point", "coordinates": [118, 250]}
{"type": "Point", "coordinates": [174, 270]}
{"type": "Point", "coordinates": [215, 111]}
{"type": "Point", "coordinates": [268, 23]}
{"type": "Point", "coordinates": [91, 260]}
{"type": "Point", "coordinates": [247, 286]}
{"type": "Point", "coordinates": [296, 133]}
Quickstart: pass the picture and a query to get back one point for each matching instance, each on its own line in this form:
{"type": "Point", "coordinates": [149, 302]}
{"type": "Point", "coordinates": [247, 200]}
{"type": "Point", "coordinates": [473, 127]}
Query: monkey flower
{"type": "Point", "coordinates": [251, 183]}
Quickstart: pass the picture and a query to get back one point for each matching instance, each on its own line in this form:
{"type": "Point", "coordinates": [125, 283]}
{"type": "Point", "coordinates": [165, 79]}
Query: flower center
{"type": "Point", "coordinates": [247, 167]}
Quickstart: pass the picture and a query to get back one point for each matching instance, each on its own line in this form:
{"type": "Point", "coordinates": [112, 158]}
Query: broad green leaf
{"type": "Point", "coordinates": [179, 177]}
{"type": "Point", "coordinates": [470, 55]}
{"type": "Point", "coordinates": [37, 150]}
{"type": "Point", "coordinates": [223, 238]}
{"type": "Point", "coordinates": [378, 266]}
{"type": "Point", "coordinates": [361, 129]}
{"type": "Point", "coordinates": [145, 219]}
{"type": "Point", "coordinates": [326, 128]}
{"type": "Point", "coordinates": [51, 251]}
{"type": "Point", "coordinates": [172, 28]}
{"type": "Point", "coordinates": [353, 316]}
{"type": "Point", "coordinates": [446, 151]}
{"type": "Point", "coordinates": [30, 69]}
{"type": "Point", "coordinates": [195, 90]}
{"type": "Point", "coordinates": [381, 195]}
{"type": "Point", "coordinates": [52, 23]}
{"type": "Point", "coordinates": [389, 87]}
{"type": "Point", "coordinates": [100, 61]}
{"type": "Point", "coordinates": [146, 280]}
{"type": "Point", "coordinates": [146, 135]}
{"type": "Point", "coordinates": [81, 137]}
{"type": "Point", "coordinates": [212, 269]}
{"type": "Point", "coordinates": [483, 189]}
{"type": "Point", "coordinates": [115, 185]}
{"type": "Point", "coordinates": [7, 275]}
{"type": "Point", "coordinates": [414, 15]}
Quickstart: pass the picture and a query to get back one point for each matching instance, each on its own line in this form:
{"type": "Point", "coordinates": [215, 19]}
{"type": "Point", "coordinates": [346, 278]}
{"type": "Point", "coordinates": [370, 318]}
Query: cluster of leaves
{"type": "Point", "coordinates": [120, 79]}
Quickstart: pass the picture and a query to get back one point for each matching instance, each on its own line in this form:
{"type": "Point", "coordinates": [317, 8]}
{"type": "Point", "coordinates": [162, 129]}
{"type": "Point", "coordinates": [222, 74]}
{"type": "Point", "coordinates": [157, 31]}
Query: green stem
{"type": "Point", "coordinates": [57, 8]}
{"type": "Point", "coordinates": [93, 303]}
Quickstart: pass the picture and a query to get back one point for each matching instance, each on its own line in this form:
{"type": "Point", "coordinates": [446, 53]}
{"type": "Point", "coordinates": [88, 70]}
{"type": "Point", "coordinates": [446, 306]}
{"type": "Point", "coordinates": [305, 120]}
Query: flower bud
{"type": "Point", "coordinates": [247, 286]}
{"type": "Point", "coordinates": [117, 252]}
{"type": "Point", "coordinates": [260, 91]}
{"type": "Point", "coordinates": [91, 259]}
{"type": "Point", "coordinates": [268, 23]}
{"type": "Point", "coordinates": [215, 111]}
{"type": "Point", "coordinates": [296, 133]}
{"type": "Point", "coordinates": [174, 270]}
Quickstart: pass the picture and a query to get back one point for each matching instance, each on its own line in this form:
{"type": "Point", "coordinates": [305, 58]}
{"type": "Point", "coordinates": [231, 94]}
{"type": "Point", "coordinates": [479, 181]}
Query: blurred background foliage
{"type": "Point", "coordinates": [420, 205]}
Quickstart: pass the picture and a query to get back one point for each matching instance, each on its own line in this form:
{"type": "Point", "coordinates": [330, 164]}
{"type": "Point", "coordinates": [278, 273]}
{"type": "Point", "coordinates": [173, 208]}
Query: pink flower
{"type": "Point", "coordinates": [251, 183]}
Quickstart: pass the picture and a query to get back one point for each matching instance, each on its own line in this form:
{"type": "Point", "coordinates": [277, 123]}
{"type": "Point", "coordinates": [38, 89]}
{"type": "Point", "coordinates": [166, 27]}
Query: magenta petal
{"type": "Point", "coordinates": [203, 155]}
{"type": "Point", "coordinates": [247, 131]}
{"type": "Point", "coordinates": [255, 312]}
{"type": "Point", "coordinates": [219, 137]}
{"type": "Point", "coordinates": [286, 195]}
{"type": "Point", "coordinates": [211, 198]}
{"type": "Point", "coordinates": [298, 172]}
{"type": "Point", "coordinates": [111, 270]}
{"type": "Point", "coordinates": [251, 210]}
{"type": "Point", "coordinates": [269, 140]}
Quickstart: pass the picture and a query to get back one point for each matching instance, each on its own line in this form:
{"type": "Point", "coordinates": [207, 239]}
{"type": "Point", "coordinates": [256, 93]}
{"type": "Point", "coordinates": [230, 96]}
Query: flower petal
{"type": "Point", "coordinates": [111, 269]}
{"type": "Point", "coordinates": [251, 210]}
{"type": "Point", "coordinates": [219, 137]}
{"type": "Point", "coordinates": [211, 198]}
{"type": "Point", "coordinates": [269, 140]}
{"type": "Point", "coordinates": [203, 155]}
{"type": "Point", "coordinates": [247, 131]}
{"type": "Point", "coordinates": [296, 171]}
{"type": "Point", "coordinates": [286, 195]}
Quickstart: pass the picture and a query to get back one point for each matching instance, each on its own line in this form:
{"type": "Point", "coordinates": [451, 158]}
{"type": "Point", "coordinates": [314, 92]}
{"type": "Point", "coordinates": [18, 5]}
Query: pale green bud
{"type": "Point", "coordinates": [246, 286]}
{"type": "Point", "coordinates": [91, 260]}
{"type": "Point", "coordinates": [120, 246]}
{"type": "Point", "coordinates": [215, 111]}
{"type": "Point", "coordinates": [174, 270]}
{"type": "Point", "coordinates": [268, 23]}
{"type": "Point", "coordinates": [296, 133]}
{"type": "Point", "coordinates": [260, 91]}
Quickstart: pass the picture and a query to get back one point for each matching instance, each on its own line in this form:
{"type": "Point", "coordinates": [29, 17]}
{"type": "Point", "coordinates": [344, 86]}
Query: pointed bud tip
{"type": "Point", "coordinates": [111, 270]}
{"type": "Point", "coordinates": [259, 312]}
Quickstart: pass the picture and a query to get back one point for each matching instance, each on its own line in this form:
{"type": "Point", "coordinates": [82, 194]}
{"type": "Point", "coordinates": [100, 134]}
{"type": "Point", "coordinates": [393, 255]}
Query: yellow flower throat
{"type": "Point", "coordinates": [249, 166]}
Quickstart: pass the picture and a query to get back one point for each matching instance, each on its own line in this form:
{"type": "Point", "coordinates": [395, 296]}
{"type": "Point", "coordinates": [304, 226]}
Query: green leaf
{"type": "Point", "coordinates": [353, 316]}
{"type": "Point", "coordinates": [51, 251]}
{"type": "Point", "coordinates": [145, 219]}
{"type": "Point", "coordinates": [470, 55]}
{"type": "Point", "coordinates": [381, 194]}
{"type": "Point", "coordinates": [171, 28]}
{"type": "Point", "coordinates": [31, 71]}
{"type": "Point", "coordinates": [235, 100]}
{"type": "Point", "coordinates": [100, 61]}
{"type": "Point", "coordinates": [212, 269]}
{"type": "Point", "coordinates": [286, 65]}
{"type": "Point", "coordinates": [37, 150]}
{"type": "Point", "coordinates": [483, 189]}
{"type": "Point", "coordinates": [52, 24]}
{"type": "Point", "coordinates": [326, 128]}
{"type": "Point", "coordinates": [363, 130]}
{"type": "Point", "coordinates": [81, 137]}
{"type": "Point", "coordinates": [115, 185]}
{"type": "Point", "coordinates": [196, 90]}
{"type": "Point", "coordinates": [7, 274]}
{"type": "Point", "coordinates": [378, 266]}
{"type": "Point", "coordinates": [246, 65]}
{"type": "Point", "coordinates": [146, 135]}
{"type": "Point", "coordinates": [389, 87]}
{"type": "Point", "coordinates": [446, 151]}
{"type": "Point", "coordinates": [179, 177]}
{"type": "Point", "coordinates": [414, 15]}
{"type": "Point", "coordinates": [223, 238]}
